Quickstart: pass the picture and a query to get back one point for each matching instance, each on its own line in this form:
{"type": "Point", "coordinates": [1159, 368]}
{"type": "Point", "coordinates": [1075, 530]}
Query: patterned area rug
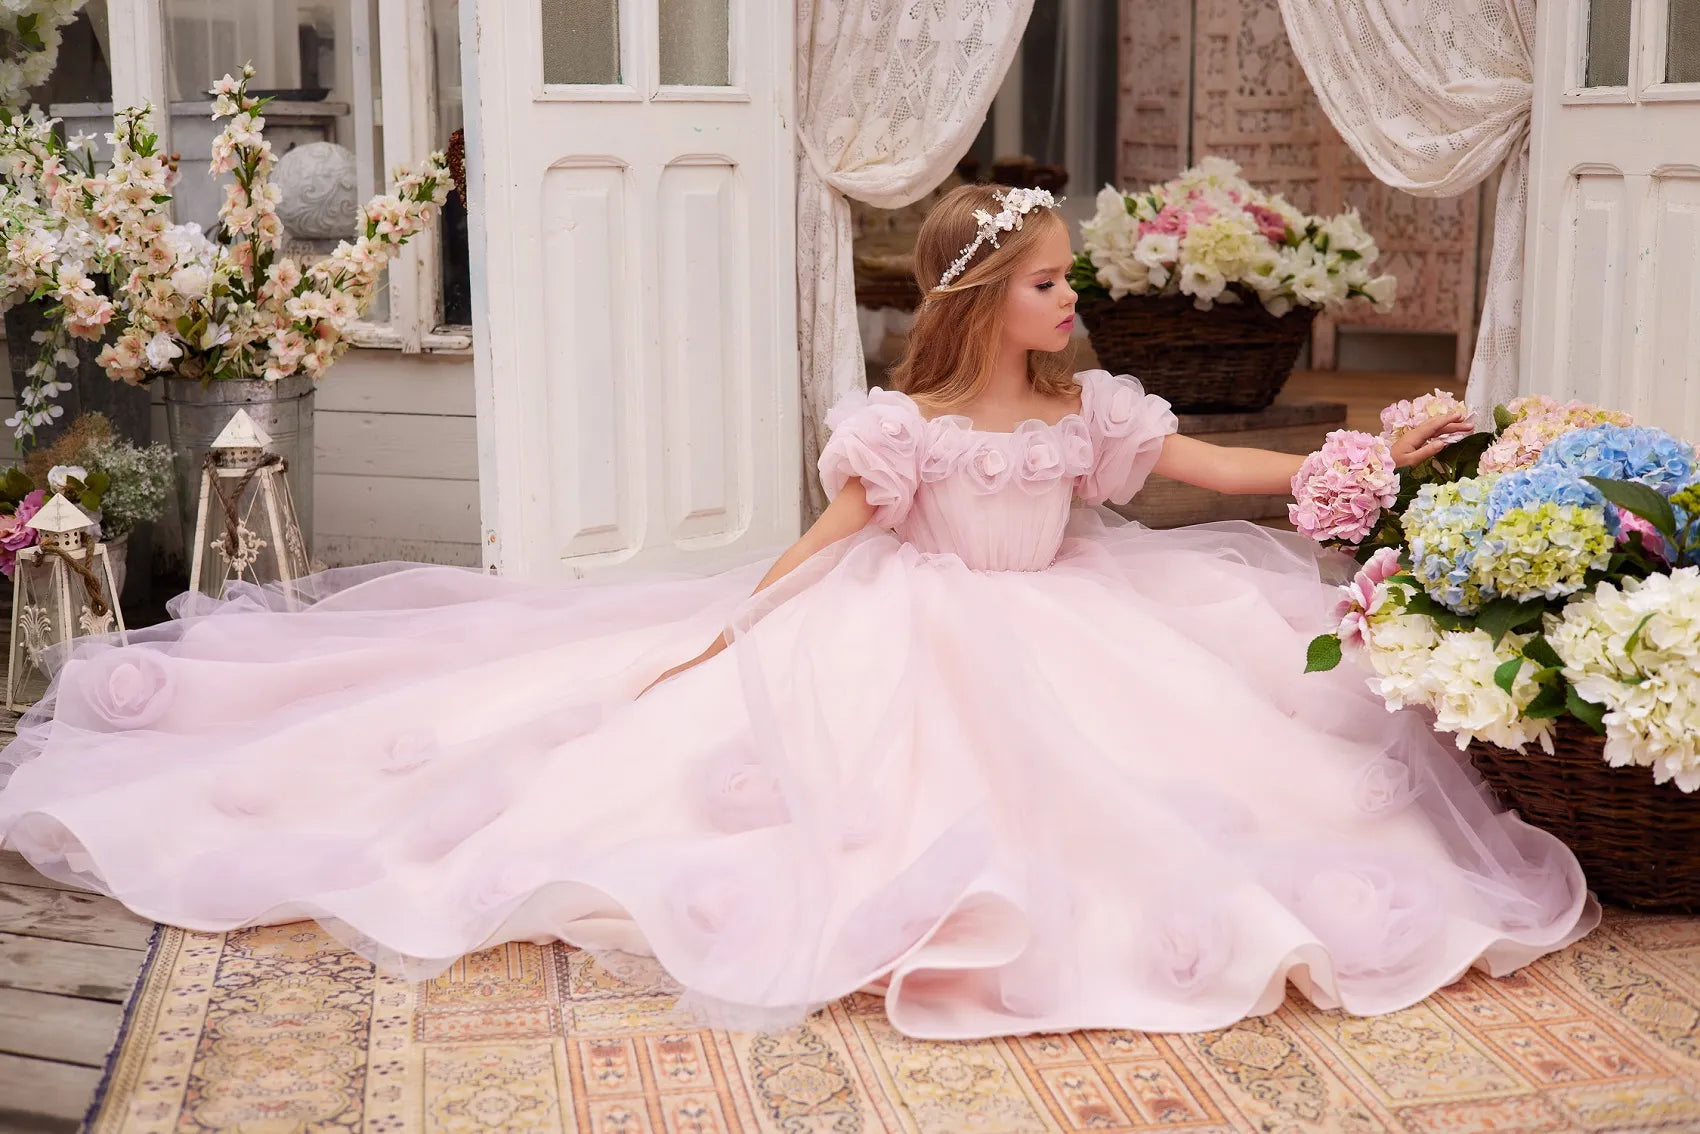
{"type": "Point", "coordinates": [280, 1029]}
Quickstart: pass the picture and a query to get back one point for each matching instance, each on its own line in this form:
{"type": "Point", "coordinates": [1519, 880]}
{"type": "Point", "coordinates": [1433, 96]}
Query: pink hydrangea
{"type": "Point", "coordinates": [1650, 538]}
{"type": "Point", "coordinates": [1537, 421]}
{"type": "Point", "coordinates": [1341, 489]}
{"type": "Point", "coordinates": [1402, 416]}
{"type": "Point", "coordinates": [1364, 596]}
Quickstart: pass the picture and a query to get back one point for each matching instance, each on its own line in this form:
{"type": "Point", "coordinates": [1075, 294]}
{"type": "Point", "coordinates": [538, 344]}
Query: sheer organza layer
{"type": "Point", "coordinates": [1101, 794]}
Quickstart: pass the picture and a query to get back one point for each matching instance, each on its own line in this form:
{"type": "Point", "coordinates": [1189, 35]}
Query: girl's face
{"type": "Point", "coordinates": [1038, 310]}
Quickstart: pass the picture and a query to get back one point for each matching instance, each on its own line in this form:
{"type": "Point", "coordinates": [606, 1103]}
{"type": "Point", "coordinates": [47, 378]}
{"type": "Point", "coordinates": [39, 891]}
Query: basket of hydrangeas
{"type": "Point", "coordinates": [1536, 588]}
{"type": "Point", "coordinates": [1205, 287]}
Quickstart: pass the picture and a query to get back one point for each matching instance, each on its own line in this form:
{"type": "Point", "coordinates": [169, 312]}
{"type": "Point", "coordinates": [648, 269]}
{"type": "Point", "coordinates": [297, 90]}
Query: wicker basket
{"type": "Point", "coordinates": [1638, 842]}
{"type": "Point", "coordinates": [1232, 358]}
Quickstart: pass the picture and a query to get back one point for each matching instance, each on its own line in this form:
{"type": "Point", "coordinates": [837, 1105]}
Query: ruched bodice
{"type": "Point", "coordinates": [997, 501]}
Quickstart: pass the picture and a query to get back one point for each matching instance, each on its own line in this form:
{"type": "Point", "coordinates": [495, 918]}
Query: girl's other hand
{"type": "Point", "coordinates": [1421, 442]}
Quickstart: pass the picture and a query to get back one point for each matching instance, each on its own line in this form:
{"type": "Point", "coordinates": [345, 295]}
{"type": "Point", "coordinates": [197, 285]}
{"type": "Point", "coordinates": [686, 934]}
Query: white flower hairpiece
{"type": "Point", "coordinates": [1017, 203]}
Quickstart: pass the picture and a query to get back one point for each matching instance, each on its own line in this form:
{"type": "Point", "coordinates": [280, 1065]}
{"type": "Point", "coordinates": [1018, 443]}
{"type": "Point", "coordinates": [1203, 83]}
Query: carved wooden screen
{"type": "Point", "coordinates": [1230, 63]}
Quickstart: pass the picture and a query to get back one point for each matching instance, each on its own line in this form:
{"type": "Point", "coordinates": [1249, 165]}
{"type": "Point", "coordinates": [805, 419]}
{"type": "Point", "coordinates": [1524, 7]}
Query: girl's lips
{"type": "Point", "coordinates": [1066, 324]}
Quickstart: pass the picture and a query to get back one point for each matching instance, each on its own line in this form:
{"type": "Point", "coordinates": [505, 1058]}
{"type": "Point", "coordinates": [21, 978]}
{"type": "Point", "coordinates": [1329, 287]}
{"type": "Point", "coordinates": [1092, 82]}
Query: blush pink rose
{"type": "Point", "coordinates": [20, 535]}
{"type": "Point", "coordinates": [1364, 596]}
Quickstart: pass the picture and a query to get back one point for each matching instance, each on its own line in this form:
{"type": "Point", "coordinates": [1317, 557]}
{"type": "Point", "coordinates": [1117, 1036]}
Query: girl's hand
{"type": "Point", "coordinates": [719, 644]}
{"type": "Point", "coordinates": [674, 672]}
{"type": "Point", "coordinates": [1421, 442]}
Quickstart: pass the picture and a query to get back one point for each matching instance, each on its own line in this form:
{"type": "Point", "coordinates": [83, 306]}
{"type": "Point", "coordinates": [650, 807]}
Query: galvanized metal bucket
{"type": "Point", "coordinates": [196, 414]}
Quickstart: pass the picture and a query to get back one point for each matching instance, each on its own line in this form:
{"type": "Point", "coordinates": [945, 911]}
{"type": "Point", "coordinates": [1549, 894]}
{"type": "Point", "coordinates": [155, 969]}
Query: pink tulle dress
{"type": "Point", "coordinates": [1014, 763]}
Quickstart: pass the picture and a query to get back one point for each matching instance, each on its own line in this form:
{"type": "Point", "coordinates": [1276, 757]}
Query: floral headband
{"type": "Point", "coordinates": [1017, 203]}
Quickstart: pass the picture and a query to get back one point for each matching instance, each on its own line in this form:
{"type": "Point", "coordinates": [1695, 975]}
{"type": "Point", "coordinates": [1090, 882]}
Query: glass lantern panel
{"type": "Point", "coordinates": [1682, 43]}
{"type": "Point", "coordinates": [244, 555]}
{"type": "Point", "coordinates": [581, 41]}
{"type": "Point", "coordinates": [695, 44]}
{"type": "Point", "coordinates": [41, 617]}
{"type": "Point", "coordinates": [1608, 44]}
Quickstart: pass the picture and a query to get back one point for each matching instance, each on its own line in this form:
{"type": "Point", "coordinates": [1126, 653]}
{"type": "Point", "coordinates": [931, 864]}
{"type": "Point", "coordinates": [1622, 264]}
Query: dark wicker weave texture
{"type": "Point", "coordinates": [1638, 842]}
{"type": "Point", "coordinates": [1234, 357]}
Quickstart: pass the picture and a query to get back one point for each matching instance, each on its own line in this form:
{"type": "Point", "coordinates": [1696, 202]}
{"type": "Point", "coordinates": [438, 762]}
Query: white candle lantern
{"type": "Point", "coordinates": [62, 588]}
{"type": "Point", "coordinates": [245, 523]}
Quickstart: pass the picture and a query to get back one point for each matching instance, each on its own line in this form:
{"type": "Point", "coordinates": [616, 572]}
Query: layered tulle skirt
{"type": "Point", "coordinates": [1102, 794]}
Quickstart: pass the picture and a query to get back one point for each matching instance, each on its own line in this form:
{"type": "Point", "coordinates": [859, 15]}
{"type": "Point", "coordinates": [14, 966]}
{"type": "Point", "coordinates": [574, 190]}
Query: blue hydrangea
{"type": "Point", "coordinates": [1541, 484]}
{"type": "Point", "coordinates": [1624, 452]}
{"type": "Point", "coordinates": [1444, 527]}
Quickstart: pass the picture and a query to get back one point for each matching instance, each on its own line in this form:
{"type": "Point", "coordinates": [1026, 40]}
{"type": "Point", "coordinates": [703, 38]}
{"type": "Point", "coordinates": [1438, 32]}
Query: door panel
{"type": "Point", "coordinates": [633, 282]}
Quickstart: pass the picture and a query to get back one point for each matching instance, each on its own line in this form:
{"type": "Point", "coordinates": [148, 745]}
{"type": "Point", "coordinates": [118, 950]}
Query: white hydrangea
{"type": "Point", "coordinates": [1651, 692]}
{"type": "Point", "coordinates": [1398, 648]}
{"type": "Point", "coordinates": [1470, 704]}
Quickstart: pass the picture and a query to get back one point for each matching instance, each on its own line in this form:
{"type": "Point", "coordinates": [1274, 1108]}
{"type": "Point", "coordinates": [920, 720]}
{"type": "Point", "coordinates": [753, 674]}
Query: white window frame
{"type": "Point", "coordinates": [407, 100]}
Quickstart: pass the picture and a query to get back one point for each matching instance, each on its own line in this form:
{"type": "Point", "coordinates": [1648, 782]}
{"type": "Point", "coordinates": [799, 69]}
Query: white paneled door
{"type": "Point", "coordinates": [1612, 294]}
{"type": "Point", "coordinates": [632, 214]}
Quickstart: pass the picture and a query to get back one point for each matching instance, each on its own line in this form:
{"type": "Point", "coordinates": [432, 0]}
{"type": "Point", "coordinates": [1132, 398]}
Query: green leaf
{"type": "Point", "coordinates": [1636, 498]}
{"type": "Point", "coordinates": [1463, 458]}
{"type": "Point", "coordinates": [1548, 703]}
{"type": "Point", "coordinates": [1506, 674]}
{"type": "Point", "coordinates": [1447, 619]}
{"type": "Point", "coordinates": [29, 32]}
{"type": "Point", "coordinates": [1546, 675]}
{"type": "Point", "coordinates": [1323, 654]}
{"type": "Point", "coordinates": [1589, 713]}
{"type": "Point", "coordinates": [1349, 254]}
{"type": "Point", "coordinates": [1635, 638]}
{"type": "Point", "coordinates": [1501, 616]}
{"type": "Point", "coordinates": [1501, 418]}
{"type": "Point", "coordinates": [1538, 649]}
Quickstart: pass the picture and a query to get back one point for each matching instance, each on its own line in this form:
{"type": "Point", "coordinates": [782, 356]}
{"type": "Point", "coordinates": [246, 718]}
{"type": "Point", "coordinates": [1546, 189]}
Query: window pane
{"type": "Point", "coordinates": [1608, 44]}
{"type": "Point", "coordinates": [695, 50]}
{"type": "Point", "coordinates": [457, 277]}
{"type": "Point", "coordinates": [1682, 51]}
{"type": "Point", "coordinates": [82, 73]}
{"type": "Point", "coordinates": [319, 60]}
{"type": "Point", "coordinates": [581, 41]}
{"type": "Point", "coordinates": [1043, 108]}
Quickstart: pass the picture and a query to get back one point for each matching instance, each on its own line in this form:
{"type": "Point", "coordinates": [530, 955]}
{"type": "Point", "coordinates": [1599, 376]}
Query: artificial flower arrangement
{"type": "Point", "coordinates": [119, 484]}
{"type": "Point", "coordinates": [1211, 235]}
{"type": "Point", "coordinates": [171, 298]}
{"type": "Point", "coordinates": [1548, 568]}
{"type": "Point", "coordinates": [29, 43]}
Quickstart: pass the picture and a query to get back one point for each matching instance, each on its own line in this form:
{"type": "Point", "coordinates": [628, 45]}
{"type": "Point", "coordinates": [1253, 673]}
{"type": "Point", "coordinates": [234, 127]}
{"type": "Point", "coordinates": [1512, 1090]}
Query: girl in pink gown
{"type": "Point", "coordinates": [1014, 763]}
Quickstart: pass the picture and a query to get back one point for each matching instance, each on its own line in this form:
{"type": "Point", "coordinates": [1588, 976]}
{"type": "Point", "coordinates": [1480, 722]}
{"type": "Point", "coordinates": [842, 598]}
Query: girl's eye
{"type": "Point", "coordinates": [1047, 285]}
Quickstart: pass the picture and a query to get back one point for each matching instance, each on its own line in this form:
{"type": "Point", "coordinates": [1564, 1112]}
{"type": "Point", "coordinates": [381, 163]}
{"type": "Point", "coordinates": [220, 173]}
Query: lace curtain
{"type": "Point", "coordinates": [890, 94]}
{"type": "Point", "coordinates": [1433, 95]}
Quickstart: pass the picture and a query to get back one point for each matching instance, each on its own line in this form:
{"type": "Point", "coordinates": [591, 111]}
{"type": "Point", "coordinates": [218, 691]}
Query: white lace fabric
{"type": "Point", "coordinates": [1433, 96]}
{"type": "Point", "coordinates": [890, 94]}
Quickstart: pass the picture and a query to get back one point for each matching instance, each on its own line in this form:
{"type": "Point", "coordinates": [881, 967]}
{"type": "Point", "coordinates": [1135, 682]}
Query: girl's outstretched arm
{"type": "Point", "coordinates": [1224, 468]}
{"type": "Point", "coordinates": [844, 517]}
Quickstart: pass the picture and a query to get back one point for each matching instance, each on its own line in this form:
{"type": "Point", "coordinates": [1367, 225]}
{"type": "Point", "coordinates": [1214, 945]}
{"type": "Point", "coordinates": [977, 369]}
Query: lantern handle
{"type": "Point", "coordinates": [84, 568]}
{"type": "Point", "coordinates": [230, 503]}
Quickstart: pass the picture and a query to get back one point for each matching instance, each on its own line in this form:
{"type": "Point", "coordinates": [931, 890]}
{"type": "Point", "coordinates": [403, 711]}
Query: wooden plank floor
{"type": "Point", "coordinates": [68, 959]}
{"type": "Point", "coordinates": [67, 962]}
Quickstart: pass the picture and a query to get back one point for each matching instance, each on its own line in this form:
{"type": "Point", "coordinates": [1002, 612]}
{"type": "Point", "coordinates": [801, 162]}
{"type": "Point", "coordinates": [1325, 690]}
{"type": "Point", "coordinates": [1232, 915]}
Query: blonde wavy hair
{"type": "Point", "coordinates": [958, 330]}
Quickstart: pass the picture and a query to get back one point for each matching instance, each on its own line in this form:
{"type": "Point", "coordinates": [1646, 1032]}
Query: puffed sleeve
{"type": "Point", "coordinates": [1127, 427]}
{"type": "Point", "coordinates": [875, 436]}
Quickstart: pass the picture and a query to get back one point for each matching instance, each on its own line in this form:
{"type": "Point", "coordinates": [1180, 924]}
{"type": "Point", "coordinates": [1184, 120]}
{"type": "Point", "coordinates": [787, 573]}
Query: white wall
{"type": "Point", "coordinates": [396, 467]}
